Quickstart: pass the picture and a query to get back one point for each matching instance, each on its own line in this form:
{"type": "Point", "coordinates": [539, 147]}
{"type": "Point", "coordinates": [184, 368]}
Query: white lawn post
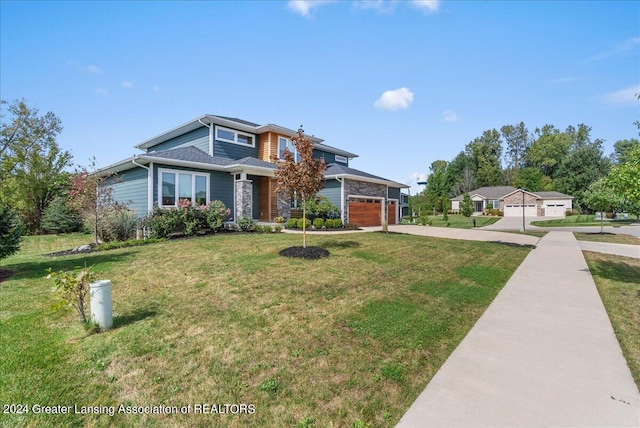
{"type": "Point", "coordinates": [100, 300]}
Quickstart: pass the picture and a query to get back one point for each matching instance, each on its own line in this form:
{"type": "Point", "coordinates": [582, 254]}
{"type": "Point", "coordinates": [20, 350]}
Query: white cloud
{"type": "Point", "coordinates": [93, 69]}
{"type": "Point", "coordinates": [426, 5]}
{"type": "Point", "coordinates": [395, 100]}
{"type": "Point", "coordinates": [623, 96]}
{"type": "Point", "coordinates": [450, 116]}
{"type": "Point", "coordinates": [126, 84]}
{"type": "Point", "coordinates": [102, 91]}
{"type": "Point", "coordinates": [627, 45]}
{"type": "Point", "coordinates": [303, 7]}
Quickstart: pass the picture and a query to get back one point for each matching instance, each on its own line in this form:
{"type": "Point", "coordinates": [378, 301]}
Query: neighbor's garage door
{"type": "Point", "coordinates": [516, 210]}
{"type": "Point", "coordinates": [365, 212]}
{"type": "Point", "coordinates": [392, 212]}
{"type": "Point", "coordinates": [557, 210]}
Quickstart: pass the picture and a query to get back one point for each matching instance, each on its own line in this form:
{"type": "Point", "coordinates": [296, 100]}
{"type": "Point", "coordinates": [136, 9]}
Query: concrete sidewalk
{"type": "Point", "coordinates": [464, 234]}
{"type": "Point", "coordinates": [626, 250]}
{"type": "Point", "coordinates": [543, 354]}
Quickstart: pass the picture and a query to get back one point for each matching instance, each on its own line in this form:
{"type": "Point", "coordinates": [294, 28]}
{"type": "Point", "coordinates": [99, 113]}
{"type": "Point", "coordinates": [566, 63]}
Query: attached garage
{"type": "Point", "coordinates": [365, 211]}
{"type": "Point", "coordinates": [515, 210]}
{"type": "Point", "coordinates": [555, 210]}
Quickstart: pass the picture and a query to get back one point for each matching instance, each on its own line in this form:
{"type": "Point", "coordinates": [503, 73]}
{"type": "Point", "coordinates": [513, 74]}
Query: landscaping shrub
{"type": "Point", "coordinates": [277, 228]}
{"type": "Point", "coordinates": [186, 219]}
{"type": "Point", "coordinates": [292, 223]}
{"type": "Point", "coordinates": [351, 226]}
{"type": "Point", "coordinates": [610, 216]}
{"type": "Point", "coordinates": [118, 224]}
{"type": "Point", "coordinates": [11, 231]}
{"type": "Point", "coordinates": [216, 213]}
{"type": "Point", "coordinates": [246, 224]}
{"type": "Point", "coordinates": [278, 220]}
{"type": "Point", "coordinates": [61, 218]}
{"type": "Point", "coordinates": [329, 224]}
{"type": "Point", "coordinates": [71, 287]}
{"type": "Point", "coordinates": [424, 220]}
{"type": "Point", "coordinates": [318, 223]}
{"type": "Point", "coordinates": [306, 223]}
{"type": "Point", "coordinates": [321, 207]}
{"type": "Point", "coordinates": [337, 223]}
{"type": "Point", "coordinates": [265, 228]}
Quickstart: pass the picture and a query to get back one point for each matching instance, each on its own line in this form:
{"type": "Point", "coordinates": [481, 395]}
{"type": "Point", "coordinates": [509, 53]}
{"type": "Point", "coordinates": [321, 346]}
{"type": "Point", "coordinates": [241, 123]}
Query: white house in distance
{"type": "Point", "coordinates": [509, 200]}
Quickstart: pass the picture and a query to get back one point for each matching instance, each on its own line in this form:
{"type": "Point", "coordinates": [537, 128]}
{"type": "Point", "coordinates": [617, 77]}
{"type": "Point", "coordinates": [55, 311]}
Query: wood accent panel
{"type": "Point", "coordinates": [392, 212]}
{"type": "Point", "coordinates": [264, 199]}
{"type": "Point", "coordinates": [274, 198]}
{"type": "Point", "coordinates": [264, 146]}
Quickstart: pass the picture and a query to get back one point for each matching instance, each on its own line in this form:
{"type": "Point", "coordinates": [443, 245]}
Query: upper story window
{"type": "Point", "coordinates": [285, 143]}
{"type": "Point", "coordinates": [236, 137]}
{"type": "Point", "coordinates": [342, 159]}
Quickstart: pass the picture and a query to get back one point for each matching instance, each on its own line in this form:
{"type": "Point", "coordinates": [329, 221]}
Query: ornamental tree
{"type": "Point", "coordinates": [302, 179]}
{"type": "Point", "coordinates": [625, 178]}
{"type": "Point", "coordinates": [600, 196]}
{"type": "Point", "coordinates": [466, 206]}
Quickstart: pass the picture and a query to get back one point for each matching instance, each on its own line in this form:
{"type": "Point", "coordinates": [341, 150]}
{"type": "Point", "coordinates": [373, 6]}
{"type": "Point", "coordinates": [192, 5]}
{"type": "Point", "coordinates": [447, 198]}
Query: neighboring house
{"type": "Point", "coordinates": [509, 200]}
{"type": "Point", "coordinates": [229, 159]}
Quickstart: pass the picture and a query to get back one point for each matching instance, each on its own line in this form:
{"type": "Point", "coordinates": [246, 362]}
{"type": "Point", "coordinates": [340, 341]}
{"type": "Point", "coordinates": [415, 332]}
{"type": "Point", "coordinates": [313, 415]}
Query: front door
{"type": "Point", "coordinates": [478, 206]}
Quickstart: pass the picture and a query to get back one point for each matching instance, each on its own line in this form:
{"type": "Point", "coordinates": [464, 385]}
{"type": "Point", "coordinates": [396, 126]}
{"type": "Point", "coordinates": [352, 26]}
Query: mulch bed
{"type": "Point", "coordinates": [5, 274]}
{"type": "Point", "coordinates": [305, 253]}
{"type": "Point", "coordinates": [599, 233]}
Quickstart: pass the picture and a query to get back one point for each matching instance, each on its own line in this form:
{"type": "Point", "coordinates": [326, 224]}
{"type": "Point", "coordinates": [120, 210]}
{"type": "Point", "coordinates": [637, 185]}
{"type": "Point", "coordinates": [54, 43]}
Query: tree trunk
{"type": "Point", "coordinates": [304, 224]}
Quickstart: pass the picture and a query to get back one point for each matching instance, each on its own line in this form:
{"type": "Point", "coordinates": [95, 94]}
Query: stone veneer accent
{"type": "Point", "coordinates": [284, 205]}
{"type": "Point", "coordinates": [244, 193]}
{"type": "Point", "coordinates": [516, 199]}
{"type": "Point", "coordinates": [363, 188]}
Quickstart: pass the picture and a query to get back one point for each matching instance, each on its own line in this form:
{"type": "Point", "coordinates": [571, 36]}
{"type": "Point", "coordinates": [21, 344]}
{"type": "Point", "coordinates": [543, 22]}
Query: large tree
{"type": "Point", "coordinates": [437, 190]}
{"type": "Point", "coordinates": [302, 179]}
{"type": "Point", "coordinates": [622, 148]}
{"type": "Point", "coordinates": [549, 147]}
{"type": "Point", "coordinates": [461, 176]}
{"type": "Point", "coordinates": [31, 161]}
{"type": "Point", "coordinates": [625, 178]}
{"type": "Point", "coordinates": [584, 165]}
{"type": "Point", "coordinates": [517, 142]}
{"type": "Point", "coordinates": [11, 230]}
{"type": "Point", "coordinates": [485, 151]}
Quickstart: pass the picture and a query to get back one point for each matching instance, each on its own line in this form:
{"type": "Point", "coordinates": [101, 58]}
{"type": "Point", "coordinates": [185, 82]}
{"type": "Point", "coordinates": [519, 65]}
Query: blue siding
{"type": "Point", "coordinates": [328, 157]}
{"type": "Point", "coordinates": [332, 190]}
{"type": "Point", "coordinates": [130, 188]}
{"type": "Point", "coordinates": [198, 138]}
{"type": "Point", "coordinates": [222, 189]}
{"type": "Point", "coordinates": [393, 193]}
{"type": "Point", "coordinates": [233, 151]}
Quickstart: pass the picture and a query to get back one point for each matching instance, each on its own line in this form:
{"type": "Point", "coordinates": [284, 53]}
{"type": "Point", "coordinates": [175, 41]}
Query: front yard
{"type": "Point", "coordinates": [350, 340]}
{"type": "Point", "coordinates": [580, 220]}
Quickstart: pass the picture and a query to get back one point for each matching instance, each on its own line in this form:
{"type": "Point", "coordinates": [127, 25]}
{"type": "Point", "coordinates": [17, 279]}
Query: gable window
{"type": "Point", "coordinates": [236, 137]}
{"type": "Point", "coordinates": [177, 187]}
{"type": "Point", "coordinates": [342, 159]}
{"type": "Point", "coordinates": [285, 143]}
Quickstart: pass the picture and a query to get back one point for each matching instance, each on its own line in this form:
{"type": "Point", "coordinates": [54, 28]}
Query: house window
{"type": "Point", "coordinates": [236, 137]}
{"type": "Point", "coordinates": [285, 143]}
{"type": "Point", "coordinates": [176, 186]}
{"type": "Point", "coordinates": [493, 204]}
{"type": "Point", "coordinates": [342, 159]}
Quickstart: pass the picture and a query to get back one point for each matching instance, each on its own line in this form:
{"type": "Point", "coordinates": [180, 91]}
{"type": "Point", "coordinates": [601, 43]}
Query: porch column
{"type": "Point", "coordinates": [244, 198]}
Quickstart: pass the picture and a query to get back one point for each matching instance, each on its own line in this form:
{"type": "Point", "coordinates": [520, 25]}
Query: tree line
{"type": "Point", "coordinates": [547, 159]}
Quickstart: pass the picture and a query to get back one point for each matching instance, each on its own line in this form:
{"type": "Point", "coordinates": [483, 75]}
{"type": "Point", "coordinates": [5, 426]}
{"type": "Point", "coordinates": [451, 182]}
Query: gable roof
{"type": "Point", "coordinates": [335, 170]}
{"type": "Point", "coordinates": [239, 124]}
{"type": "Point", "coordinates": [495, 192]}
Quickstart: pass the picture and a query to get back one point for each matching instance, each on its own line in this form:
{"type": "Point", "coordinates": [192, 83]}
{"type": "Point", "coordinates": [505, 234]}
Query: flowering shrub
{"type": "Point", "coordinates": [186, 219]}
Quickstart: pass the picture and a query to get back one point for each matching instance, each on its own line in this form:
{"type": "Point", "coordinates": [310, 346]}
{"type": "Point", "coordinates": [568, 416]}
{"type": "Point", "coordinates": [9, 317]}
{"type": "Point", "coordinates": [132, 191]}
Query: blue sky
{"type": "Point", "coordinates": [401, 83]}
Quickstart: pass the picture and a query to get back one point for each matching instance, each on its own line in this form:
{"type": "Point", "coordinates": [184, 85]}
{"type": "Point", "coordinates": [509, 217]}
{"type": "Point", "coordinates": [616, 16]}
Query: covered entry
{"type": "Point", "coordinates": [365, 211]}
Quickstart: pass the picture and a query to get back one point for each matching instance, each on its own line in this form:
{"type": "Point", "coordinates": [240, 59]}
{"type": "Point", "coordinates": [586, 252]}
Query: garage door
{"type": "Point", "coordinates": [392, 212]}
{"type": "Point", "coordinates": [365, 212]}
{"type": "Point", "coordinates": [557, 210]}
{"type": "Point", "coordinates": [514, 210]}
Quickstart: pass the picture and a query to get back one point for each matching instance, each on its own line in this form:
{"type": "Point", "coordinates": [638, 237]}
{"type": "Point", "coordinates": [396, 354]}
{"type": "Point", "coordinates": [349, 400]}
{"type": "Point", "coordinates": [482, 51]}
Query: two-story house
{"type": "Point", "coordinates": [229, 159]}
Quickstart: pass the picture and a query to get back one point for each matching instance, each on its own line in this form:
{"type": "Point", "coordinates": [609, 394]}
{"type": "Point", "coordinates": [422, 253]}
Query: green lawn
{"type": "Point", "coordinates": [618, 282]}
{"type": "Point", "coordinates": [462, 222]}
{"type": "Point", "coordinates": [579, 220]}
{"type": "Point", "coordinates": [344, 341]}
